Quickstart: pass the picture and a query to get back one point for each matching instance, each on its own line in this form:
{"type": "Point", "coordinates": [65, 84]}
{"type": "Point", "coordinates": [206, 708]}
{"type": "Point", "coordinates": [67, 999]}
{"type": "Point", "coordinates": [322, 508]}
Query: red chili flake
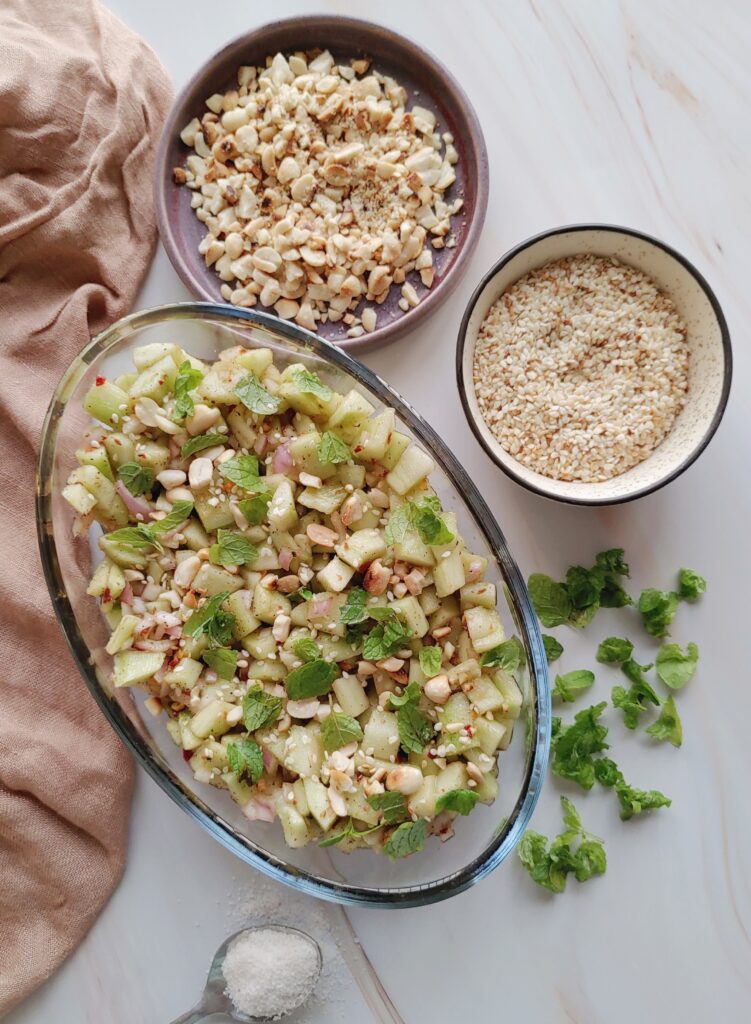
{"type": "Point", "coordinates": [100, 380]}
{"type": "Point", "coordinates": [106, 595]}
{"type": "Point", "coordinates": [161, 381]}
{"type": "Point", "coordinates": [357, 449]}
{"type": "Point", "coordinates": [187, 754]}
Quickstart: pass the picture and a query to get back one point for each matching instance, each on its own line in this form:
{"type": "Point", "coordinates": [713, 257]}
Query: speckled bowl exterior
{"type": "Point", "coordinates": [427, 83]}
{"type": "Point", "coordinates": [710, 356]}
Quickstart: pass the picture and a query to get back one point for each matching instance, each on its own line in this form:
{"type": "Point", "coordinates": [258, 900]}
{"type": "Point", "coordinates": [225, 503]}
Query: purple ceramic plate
{"type": "Point", "coordinates": [427, 82]}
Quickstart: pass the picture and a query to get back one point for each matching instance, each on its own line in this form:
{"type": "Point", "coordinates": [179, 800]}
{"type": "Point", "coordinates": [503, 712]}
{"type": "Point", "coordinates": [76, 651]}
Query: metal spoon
{"type": "Point", "coordinates": [215, 1000]}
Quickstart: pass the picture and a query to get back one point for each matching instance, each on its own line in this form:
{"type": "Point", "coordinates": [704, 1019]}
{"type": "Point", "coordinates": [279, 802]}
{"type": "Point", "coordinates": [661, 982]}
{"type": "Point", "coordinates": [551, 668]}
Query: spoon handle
{"type": "Point", "coordinates": [194, 1016]}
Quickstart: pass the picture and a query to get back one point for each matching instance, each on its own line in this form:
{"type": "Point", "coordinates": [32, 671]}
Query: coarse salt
{"type": "Point", "coordinates": [270, 971]}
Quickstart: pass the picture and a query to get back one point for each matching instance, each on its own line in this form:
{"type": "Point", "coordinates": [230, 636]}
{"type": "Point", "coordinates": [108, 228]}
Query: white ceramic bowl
{"type": "Point", "coordinates": [710, 356]}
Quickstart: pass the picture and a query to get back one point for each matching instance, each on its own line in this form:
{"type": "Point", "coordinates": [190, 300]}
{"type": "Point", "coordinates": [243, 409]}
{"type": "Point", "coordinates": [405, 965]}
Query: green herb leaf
{"type": "Point", "coordinates": [410, 695]}
{"type": "Point", "coordinates": [406, 839]}
{"type": "Point", "coordinates": [188, 378]}
{"type": "Point", "coordinates": [429, 523]}
{"type": "Point", "coordinates": [534, 855]}
{"type": "Point", "coordinates": [460, 800]}
{"type": "Point", "coordinates": [337, 730]}
{"type": "Point", "coordinates": [232, 548]}
{"type": "Point", "coordinates": [430, 660]}
{"type": "Point", "coordinates": [139, 537]}
{"type": "Point", "coordinates": [245, 760]}
{"type": "Point", "coordinates": [690, 585]}
{"type": "Point", "coordinates": [590, 860]}
{"type": "Point", "coordinates": [386, 638]}
{"type": "Point", "coordinates": [657, 609]}
{"type": "Point", "coordinates": [614, 650]}
{"type": "Point", "coordinates": [393, 805]}
{"type": "Point", "coordinates": [550, 600]}
{"type": "Point", "coordinates": [571, 817]}
{"type": "Point", "coordinates": [633, 702]}
{"type": "Point", "coordinates": [180, 512]}
{"type": "Point", "coordinates": [550, 866]}
{"type": "Point", "coordinates": [636, 801]}
{"type": "Point", "coordinates": [415, 730]}
{"type": "Point", "coordinates": [509, 655]}
{"type": "Point", "coordinates": [355, 609]}
{"type": "Point", "coordinates": [306, 649]}
{"type": "Point", "coordinates": [573, 745]}
{"type": "Point", "coordinates": [223, 661]}
{"type": "Point", "coordinates": [209, 620]}
{"type": "Point", "coordinates": [668, 725]}
{"type": "Point", "coordinates": [569, 686]}
{"type": "Point", "coordinates": [311, 384]}
{"type": "Point", "coordinates": [254, 509]}
{"type": "Point", "coordinates": [331, 449]}
{"type": "Point", "coordinates": [313, 679]}
{"type": "Point", "coordinates": [255, 397]}
{"type": "Point", "coordinates": [137, 478]}
{"type": "Point", "coordinates": [612, 561]}
{"type": "Point", "coordinates": [674, 667]}
{"type": "Point", "coordinates": [336, 837]}
{"type": "Point", "coordinates": [260, 708]}
{"type": "Point", "coordinates": [197, 444]}
{"type": "Point", "coordinates": [553, 649]}
{"type": "Point", "coordinates": [399, 524]}
{"type": "Point", "coordinates": [243, 471]}
{"type": "Point", "coordinates": [607, 772]}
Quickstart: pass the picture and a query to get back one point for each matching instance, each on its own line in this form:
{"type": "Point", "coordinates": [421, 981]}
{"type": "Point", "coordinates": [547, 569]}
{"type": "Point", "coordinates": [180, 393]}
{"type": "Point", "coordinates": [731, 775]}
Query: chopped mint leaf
{"type": "Point", "coordinates": [657, 609]}
{"type": "Point", "coordinates": [254, 509]}
{"type": "Point", "coordinates": [406, 839]}
{"type": "Point", "coordinates": [243, 471]}
{"type": "Point", "coordinates": [508, 655]}
{"type": "Point", "coordinates": [232, 548]}
{"type": "Point", "coordinates": [255, 397]}
{"type": "Point", "coordinates": [187, 379]}
{"type": "Point", "coordinates": [139, 537]}
{"type": "Point", "coordinates": [306, 649]}
{"type": "Point", "coordinates": [410, 695]}
{"type": "Point", "coordinates": [429, 523]}
{"type": "Point", "coordinates": [245, 760]}
{"type": "Point", "coordinates": [311, 384]}
{"type": "Point", "coordinates": [573, 745]}
{"type": "Point", "coordinates": [550, 600]}
{"type": "Point", "coordinates": [313, 679]}
{"type": "Point", "coordinates": [570, 685]}
{"type": "Point", "coordinates": [393, 805]}
{"type": "Point", "coordinates": [331, 449]}
{"type": "Point", "coordinates": [430, 660]}
{"type": "Point", "coordinates": [260, 708]}
{"type": "Point", "coordinates": [690, 585]}
{"type": "Point", "coordinates": [633, 702]}
{"type": "Point", "coordinates": [550, 865]}
{"type": "Point", "coordinates": [415, 729]}
{"type": "Point", "coordinates": [223, 660]}
{"type": "Point", "coordinates": [614, 650]}
{"type": "Point", "coordinates": [386, 638]}
{"type": "Point", "coordinates": [553, 649]}
{"type": "Point", "coordinates": [460, 800]}
{"type": "Point", "coordinates": [209, 620]}
{"type": "Point", "coordinates": [607, 772]}
{"type": "Point", "coordinates": [632, 801]}
{"type": "Point", "coordinates": [668, 725]}
{"type": "Point", "coordinates": [399, 524]}
{"type": "Point", "coordinates": [674, 667]}
{"type": "Point", "coordinates": [137, 478]}
{"type": "Point", "coordinates": [197, 444]}
{"type": "Point", "coordinates": [180, 512]}
{"type": "Point", "coordinates": [337, 730]}
{"type": "Point", "coordinates": [348, 831]}
{"type": "Point", "coordinates": [355, 609]}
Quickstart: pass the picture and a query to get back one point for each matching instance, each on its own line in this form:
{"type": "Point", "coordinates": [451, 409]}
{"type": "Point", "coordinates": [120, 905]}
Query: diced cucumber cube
{"type": "Point", "coordinates": [120, 449]}
{"type": "Point", "coordinates": [485, 628]}
{"type": "Point", "coordinates": [83, 501]}
{"type": "Point", "coordinates": [411, 549]}
{"type": "Point", "coordinates": [423, 802]}
{"type": "Point", "coordinates": [96, 457]}
{"type": "Point", "coordinates": [212, 719]}
{"type": "Point", "coordinates": [448, 574]}
{"type": "Point", "coordinates": [335, 575]}
{"type": "Point", "coordinates": [351, 696]}
{"type": "Point", "coordinates": [267, 604]}
{"type": "Point", "coordinates": [361, 547]}
{"type": "Point", "coordinates": [484, 696]}
{"type": "Point", "coordinates": [478, 595]}
{"type": "Point", "coordinates": [155, 381]}
{"type": "Point", "coordinates": [304, 752]}
{"type": "Point", "coordinates": [239, 605]}
{"type": "Point", "coordinates": [134, 667]}
{"type": "Point", "coordinates": [212, 579]}
{"type": "Point", "coordinates": [513, 698]}
{"type": "Point", "coordinates": [152, 454]}
{"type": "Point", "coordinates": [106, 402]}
{"type": "Point", "coordinates": [281, 512]}
{"type": "Point", "coordinates": [108, 579]}
{"type": "Point", "coordinates": [350, 415]}
{"type": "Point", "coordinates": [110, 510]}
{"type": "Point", "coordinates": [123, 634]}
{"type": "Point", "coordinates": [408, 610]}
{"type": "Point", "coordinates": [397, 446]}
{"type": "Point", "coordinates": [239, 422]}
{"type": "Point", "coordinates": [359, 808]}
{"type": "Point", "coordinates": [213, 517]}
{"type": "Point", "coordinates": [490, 734]}
{"type": "Point", "coordinates": [382, 734]}
{"type": "Point", "coordinates": [453, 776]}
{"type": "Point", "coordinates": [256, 360]}
{"type": "Point", "coordinates": [375, 436]}
{"type": "Point", "coordinates": [412, 467]}
{"type": "Point", "coordinates": [293, 825]}
{"type": "Point", "coordinates": [321, 810]}
{"type": "Point", "coordinates": [487, 790]}
{"type": "Point", "coordinates": [305, 401]}
{"type": "Point", "coordinates": [304, 451]}
{"type": "Point", "coordinates": [267, 671]}
{"type": "Point", "coordinates": [324, 499]}
{"type": "Point", "coordinates": [184, 675]}
{"type": "Point", "coordinates": [218, 385]}
{"type": "Point", "coordinates": [260, 644]}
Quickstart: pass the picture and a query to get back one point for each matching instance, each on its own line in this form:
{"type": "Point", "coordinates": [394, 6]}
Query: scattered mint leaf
{"type": "Point", "coordinates": [614, 650]}
{"type": "Point", "coordinates": [657, 609]}
{"type": "Point", "coordinates": [415, 730]}
{"type": "Point", "coordinates": [607, 772]}
{"type": "Point", "coordinates": [306, 649]}
{"type": "Point", "coordinates": [254, 509]}
{"type": "Point", "coordinates": [348, 830]}
{"type": "Point", "coordinates": [260, 708]}
{"type": "Point", "coordinates": [690, 585]}
{"type": "Point", "coordinates": [255, 397]}
{"type": "Point", "coordinates": [137, 478]}
{"type": "Point", "coordinates": [232, 548]}
{"type": "Point", "coordinates": [460, 800]}
{"type": "Point", "coordinates": [534, 855]}
{"type": "Point", "coordinates": [337, 730]}
{"type": "Point", "coordinates": [406, 839]}
{"type": "Point", "coordinates": [197, 444]}
{"type": "Point", "coordinates": [223, 660]}
{"type": "Point", "coordinates": [180, 512]}
{"type": "Point", "coordinates": [573, 745]}
{"type": "Point", "coordinates": [668, 725]}
{"type": "Point", "coordinates": [331, 449]}
{"type": "Point", "coordinates": [571, 817]}
{"type": "Point", "coordinates": [550, 865]}
{"type": "Point", "coordinates": [311, 384]}
{"type": "Point", "coordinates": [636, 801]}
{"type": "Point", "coordinates": [553, 649]}
{"type": "Point", "coordinates": [355, 609]}
{"type": "Point", "coordinates": [243, 471]}
{"type": "Point", "coordinates": [187, 379]}
{"type": "Point", "coordinates": [139, 537]}
{"type": "Point", "coordinates": [633, 702]}
{"type": "Point", "coordinates": [429, 523]}
{"type": "Point", "coordinates": [313, 679]}
{"type": "Point", "coordinates": [209, 620]}
{"type": "Point", "coordinates": [393, 805]}
{"type": "Point", "coordinates": [245, 760]}
{"type": "Point", "coordinates": [430, 660]}
{"type": "Point", "coordinates": [550, 600]}
{"type": "Point", "coordinates": [410, 695]}
{"type": "Point", "coordinates": [386, 638]}
{"type": "Point", "coordinates": [399, 524]}
{"type": "Point", "coordinates": [674, 667]}
{"type": "Point", "coordinates": [508, 655]}
{"type": "Point", "coordinates": [570, 685]}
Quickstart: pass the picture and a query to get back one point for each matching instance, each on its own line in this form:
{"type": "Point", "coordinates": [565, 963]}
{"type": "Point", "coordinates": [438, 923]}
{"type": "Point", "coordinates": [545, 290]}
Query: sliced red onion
{"type": "Point", "coordinates": [320, 606]}
{"type": "Point", "coordinates": [136, 506]}
{"type": "Point", "coordinates": [175, 631]}
{"type": "Point", "coordinates": [153, 645]}
{"type": "Point", "coordinates": [262, 443]}
{"type": "Point", "coordinates": [282, 461]}
{"type": "Point", "coordinates": [127, 595]}
{"type": "Point", "coordinates": [285, 558]}
{"type": "Point", "coordinates": [257, 809]}
{"type": "Point", "coordinates": [270, 763]}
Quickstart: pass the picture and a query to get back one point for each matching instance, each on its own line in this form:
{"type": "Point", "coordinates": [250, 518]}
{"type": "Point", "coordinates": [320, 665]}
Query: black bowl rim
{"type": "Point", "coordinates": [474, 141]}
{"type": "Point", "coordinates": [726, 348]}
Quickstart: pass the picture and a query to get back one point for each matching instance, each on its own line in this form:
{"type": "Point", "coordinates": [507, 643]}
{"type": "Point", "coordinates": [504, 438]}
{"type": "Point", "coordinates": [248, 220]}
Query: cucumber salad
{"type": "Point", "coordinates": [281, 579]}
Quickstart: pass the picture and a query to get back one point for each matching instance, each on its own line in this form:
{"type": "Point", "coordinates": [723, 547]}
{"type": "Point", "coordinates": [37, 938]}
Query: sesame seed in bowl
{"type": "Point", "coordinates": [593, 364]}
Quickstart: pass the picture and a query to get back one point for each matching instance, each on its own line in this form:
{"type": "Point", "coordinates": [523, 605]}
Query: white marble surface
{"type": "Point", "coordinates": [632, 113]}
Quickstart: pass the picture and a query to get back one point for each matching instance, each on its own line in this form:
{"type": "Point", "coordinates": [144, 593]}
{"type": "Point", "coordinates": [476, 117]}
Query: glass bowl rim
{"type": "Point", "coordinates": [539, 738]}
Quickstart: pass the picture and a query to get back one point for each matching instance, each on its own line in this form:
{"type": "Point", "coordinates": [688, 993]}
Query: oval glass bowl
{"type": "Point", "coordinates": [484, 838]}
{"type": "Point", "coordinates": [427, 82]}
{"type": "Point", "coordinates": [710, 357]}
